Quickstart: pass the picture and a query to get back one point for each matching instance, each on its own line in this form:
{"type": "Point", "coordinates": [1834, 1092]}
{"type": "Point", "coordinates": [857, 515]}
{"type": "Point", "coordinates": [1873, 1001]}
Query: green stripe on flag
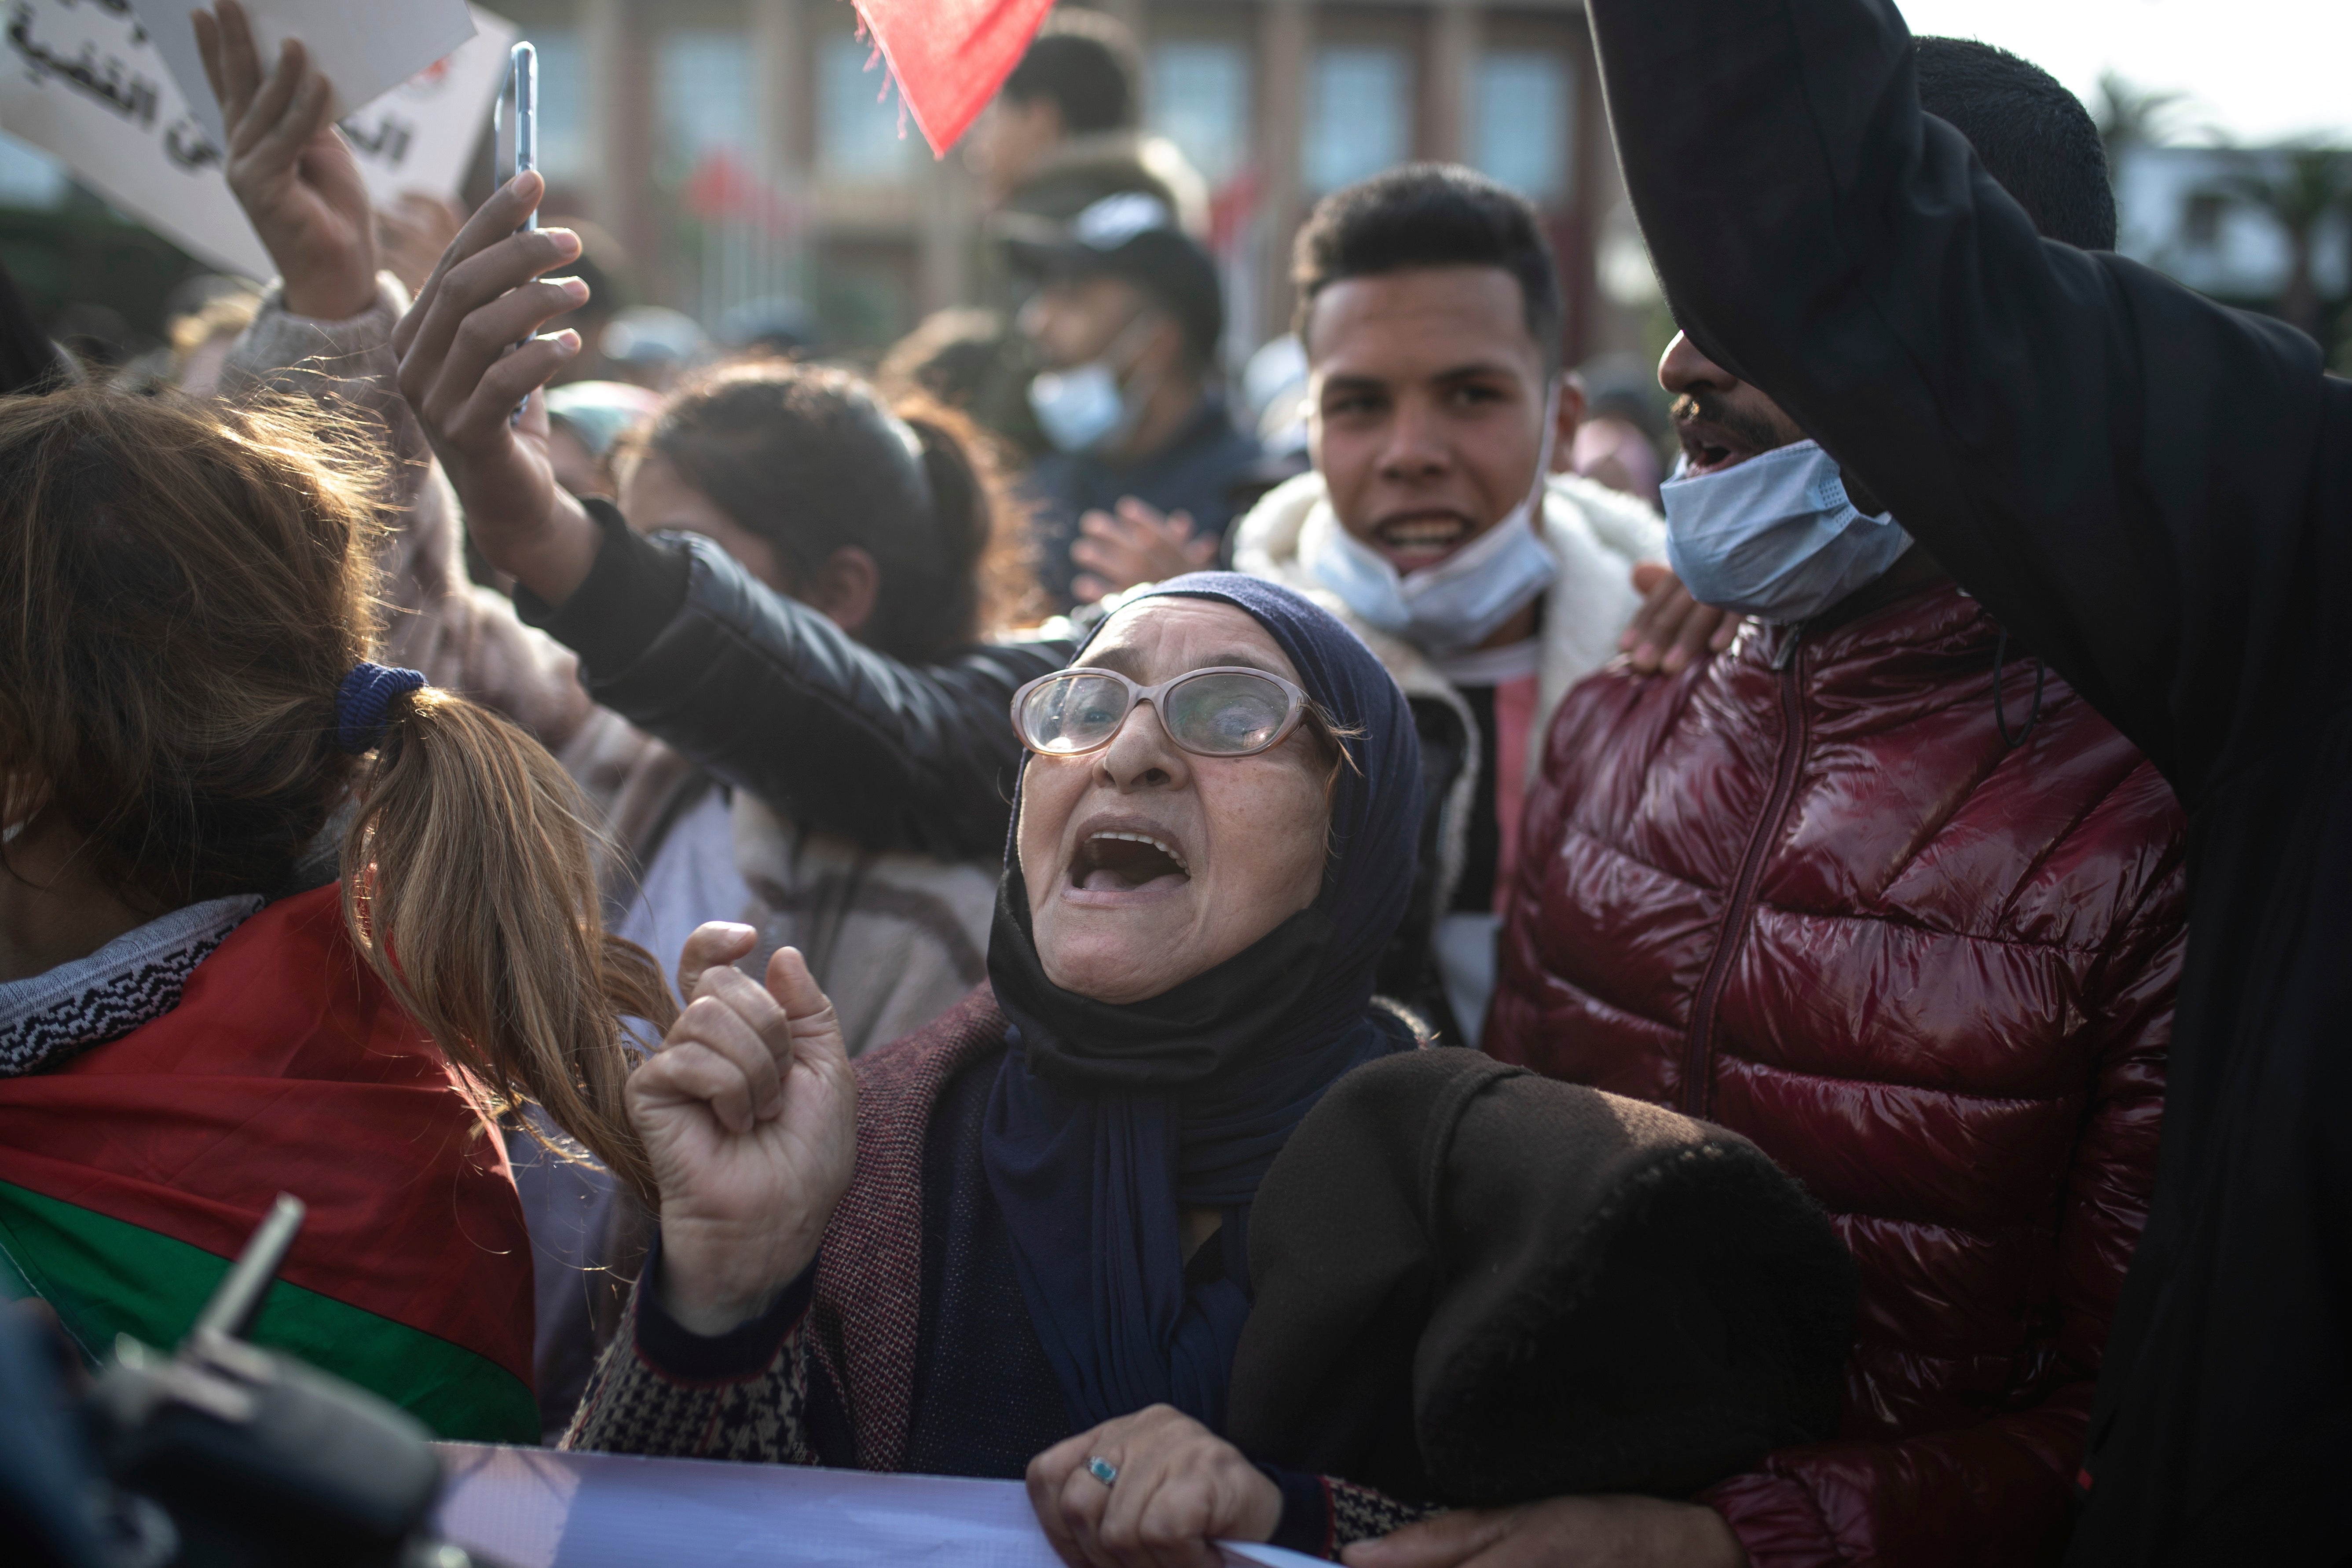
{"type": "Point", "coordinates": [106, 1277]}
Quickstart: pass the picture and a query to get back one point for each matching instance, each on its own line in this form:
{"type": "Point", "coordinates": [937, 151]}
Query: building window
{"type": "Point", "coordinates": [1201, 102]}
{"type": "Point", "coordinates": [562, 103]}
{"type": "Point", "coordinates": [1358, 114]}
{"type": "Point", "coordinates": [861, 130]}
{"type": "Point", "coordinates": [702, 97]}
{"type": "Point", "coordinates": [1519, 123]}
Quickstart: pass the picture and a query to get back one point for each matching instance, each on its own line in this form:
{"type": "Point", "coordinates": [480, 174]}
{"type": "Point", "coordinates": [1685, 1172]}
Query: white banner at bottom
{"type": "Point", "coordinates": [537, 1508]}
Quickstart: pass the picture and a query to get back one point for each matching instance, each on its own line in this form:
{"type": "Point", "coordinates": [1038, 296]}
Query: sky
{"type": "Point", "coordinates": [2257, 70]}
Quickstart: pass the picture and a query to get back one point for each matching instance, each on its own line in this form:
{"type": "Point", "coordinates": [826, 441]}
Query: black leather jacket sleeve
{"type": "Point", "coordinates": [772, 698]}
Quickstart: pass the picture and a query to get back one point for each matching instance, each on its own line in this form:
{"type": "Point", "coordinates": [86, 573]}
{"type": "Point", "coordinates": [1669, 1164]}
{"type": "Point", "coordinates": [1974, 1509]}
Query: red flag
{"type": "Point", "coordinates": [949, 57]}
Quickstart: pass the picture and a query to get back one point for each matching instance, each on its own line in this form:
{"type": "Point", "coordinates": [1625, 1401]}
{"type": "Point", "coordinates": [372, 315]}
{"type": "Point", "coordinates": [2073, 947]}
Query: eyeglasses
{"type": "Point", "coordinates": [1226, 710]}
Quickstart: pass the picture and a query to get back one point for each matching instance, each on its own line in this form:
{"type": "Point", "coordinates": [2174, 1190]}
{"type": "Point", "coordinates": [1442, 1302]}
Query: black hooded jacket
{"type": "Point", "coordinates": [2155, 492]}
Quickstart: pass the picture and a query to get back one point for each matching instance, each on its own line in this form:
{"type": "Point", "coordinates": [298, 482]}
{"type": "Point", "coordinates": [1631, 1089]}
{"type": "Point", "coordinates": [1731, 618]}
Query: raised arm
{"type": "Point", "coordinates": [767, 693]}
{"type": "Point", "coordinates": [763, 691]}
{"type": "Point", "coordinates": [324, 332]}
{"type": "Point", "coordinates": [2121, 470]}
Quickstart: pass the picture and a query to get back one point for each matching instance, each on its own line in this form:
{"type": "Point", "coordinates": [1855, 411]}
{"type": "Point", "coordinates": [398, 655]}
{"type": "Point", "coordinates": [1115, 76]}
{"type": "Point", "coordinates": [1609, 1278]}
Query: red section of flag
{"type": "Point", "coordinates": [286, 1067]}
{"type": "Point", "coordinates": [949, 57]}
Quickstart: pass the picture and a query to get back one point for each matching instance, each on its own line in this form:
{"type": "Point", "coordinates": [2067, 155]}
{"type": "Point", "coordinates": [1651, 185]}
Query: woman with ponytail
{"type": "Point", "coordinates": [865, 732]}
{"type": "Point", "coordinates": [810, 651]}
{"type": "Point", "coordinates": [274, 916]}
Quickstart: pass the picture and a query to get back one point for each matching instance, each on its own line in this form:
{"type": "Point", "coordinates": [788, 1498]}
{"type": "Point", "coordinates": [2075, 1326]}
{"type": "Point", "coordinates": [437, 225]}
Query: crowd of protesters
{"type": "Point", "coordinates": [1345, 956]}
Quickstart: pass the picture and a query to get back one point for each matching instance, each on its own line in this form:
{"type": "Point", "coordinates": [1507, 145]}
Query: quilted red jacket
{"type": "Point", "coordinates": [1806, 890]}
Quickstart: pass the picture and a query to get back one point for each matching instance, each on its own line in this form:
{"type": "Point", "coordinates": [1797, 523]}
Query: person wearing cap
{"type": "Point", "coordinates": [1065, 132]}
{"type": "Point", "coordinates": [1125, 328]}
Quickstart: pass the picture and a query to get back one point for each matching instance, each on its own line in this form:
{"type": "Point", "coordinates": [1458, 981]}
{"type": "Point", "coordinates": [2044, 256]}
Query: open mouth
{"type": "Point", "coordinates": [1704, 453]}
{"type": "Point", "coordinates": [1422, 538]}
{"type": "Point", "coordinates": [1125, 862]}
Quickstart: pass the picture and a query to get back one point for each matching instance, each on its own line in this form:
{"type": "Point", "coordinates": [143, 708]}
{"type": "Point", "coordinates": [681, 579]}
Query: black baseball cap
{"type": "Point", "coordinates": [1133, 236]}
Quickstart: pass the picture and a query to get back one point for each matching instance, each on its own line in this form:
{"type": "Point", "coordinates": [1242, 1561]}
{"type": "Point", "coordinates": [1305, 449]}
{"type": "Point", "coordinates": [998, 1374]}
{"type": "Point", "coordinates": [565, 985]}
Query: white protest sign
{"type": "Point", "coordinates": [82, 80]}
{"type": "Point", "coordinates": [420, 136]}
{"type": "Point", "coordinates": [366, 47]}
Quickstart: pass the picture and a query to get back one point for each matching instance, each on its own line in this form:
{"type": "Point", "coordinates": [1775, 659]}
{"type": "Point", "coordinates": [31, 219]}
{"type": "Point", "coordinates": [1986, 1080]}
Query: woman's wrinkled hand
{"type": "Point", "coordinates": [1180, 1488]}
{"type": "Point", "coordinates": [1588, 1531]}
{"type": "Point", "coordinates": [290, 167]}
{"type": "Point", "coordinates": [463, 376]}
{"type": "Point", "coordinates": [748, 1114]}
{"type": "Point", "coordinates": [1672, 631]}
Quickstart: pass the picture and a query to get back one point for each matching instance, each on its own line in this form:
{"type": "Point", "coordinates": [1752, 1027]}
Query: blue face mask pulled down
{"type": "Point", "coordinates": [1775, 537]}
{"type": "Point", "coordinates": [1462, 600]}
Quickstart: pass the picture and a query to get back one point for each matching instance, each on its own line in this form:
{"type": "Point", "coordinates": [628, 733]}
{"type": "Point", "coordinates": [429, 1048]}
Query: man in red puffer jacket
{"type": "Point", "coordinates": [1877, 891]}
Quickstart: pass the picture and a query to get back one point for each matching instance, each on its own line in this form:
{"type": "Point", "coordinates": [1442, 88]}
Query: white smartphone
{"type": "Point", "coordinates": [519, 151]}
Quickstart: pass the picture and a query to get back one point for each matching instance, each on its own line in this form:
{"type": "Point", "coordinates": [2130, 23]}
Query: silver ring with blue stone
{"type": "Point", "coordinates": [1102, 1470]}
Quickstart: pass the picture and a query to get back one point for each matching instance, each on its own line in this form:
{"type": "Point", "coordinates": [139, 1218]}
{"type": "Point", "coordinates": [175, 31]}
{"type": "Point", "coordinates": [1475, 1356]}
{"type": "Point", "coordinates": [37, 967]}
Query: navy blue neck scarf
{"type": "Point", "coordinates": [1106, 1120]}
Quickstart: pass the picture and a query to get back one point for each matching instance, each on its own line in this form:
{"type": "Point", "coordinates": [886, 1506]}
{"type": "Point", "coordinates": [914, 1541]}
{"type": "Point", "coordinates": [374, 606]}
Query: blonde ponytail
{"type": "Point", "coordinates": [470, 886]}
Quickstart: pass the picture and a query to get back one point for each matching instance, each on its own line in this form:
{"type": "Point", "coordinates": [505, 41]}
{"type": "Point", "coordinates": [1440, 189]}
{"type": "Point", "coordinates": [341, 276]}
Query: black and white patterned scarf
{"type": "Point", "coordinates": [47, 1018]}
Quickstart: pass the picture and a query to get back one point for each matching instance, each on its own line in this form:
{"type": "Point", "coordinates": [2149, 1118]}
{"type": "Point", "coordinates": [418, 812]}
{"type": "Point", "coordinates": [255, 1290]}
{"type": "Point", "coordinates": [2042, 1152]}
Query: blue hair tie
{"type": "Point", "coordinates": [361, 701]}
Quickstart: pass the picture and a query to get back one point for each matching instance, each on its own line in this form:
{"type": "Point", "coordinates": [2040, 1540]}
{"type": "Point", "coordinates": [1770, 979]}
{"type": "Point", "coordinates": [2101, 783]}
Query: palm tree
{"type": "Point", "coordinates": [2129, 116]}
{"type": "Point", "coordinates": [2314, 184]}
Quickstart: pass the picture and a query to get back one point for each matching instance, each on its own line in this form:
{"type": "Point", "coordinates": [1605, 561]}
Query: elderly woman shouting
{"type": "Point", "coordinates": [993, 1244]}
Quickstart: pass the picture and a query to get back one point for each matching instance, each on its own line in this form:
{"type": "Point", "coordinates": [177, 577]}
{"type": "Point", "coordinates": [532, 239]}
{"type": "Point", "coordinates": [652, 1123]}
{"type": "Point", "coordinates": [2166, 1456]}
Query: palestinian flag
{"type": "Point", "coordinates": [131, 1175]}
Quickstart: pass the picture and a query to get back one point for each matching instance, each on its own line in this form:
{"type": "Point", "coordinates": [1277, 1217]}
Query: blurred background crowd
{"type": "Point", "coordinates": [747, 179]}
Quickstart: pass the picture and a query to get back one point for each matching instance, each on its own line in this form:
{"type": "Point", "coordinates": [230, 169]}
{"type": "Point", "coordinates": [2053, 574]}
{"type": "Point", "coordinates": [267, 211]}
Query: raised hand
{"type": "Point", "coordinates": [290, 167]}
{"type": "Point", "coordinates": [748, 1114]}
{"type": "Point", "coordinates": [1178, 1487]}
{"type": "Point", "coordinates": [463, 375]}
{"type": "Point", "coordinates": [1135, 544]}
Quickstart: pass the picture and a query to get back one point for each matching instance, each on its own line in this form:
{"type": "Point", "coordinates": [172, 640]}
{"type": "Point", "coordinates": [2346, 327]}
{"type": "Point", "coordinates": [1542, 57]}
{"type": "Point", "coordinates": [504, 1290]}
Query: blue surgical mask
{"type": "Point", "coordinates": [1775, 537]}
{"type": "Point", "coordinates": [1078, 409]}
{"type": "Point", "coordinates": [1084, 409]}
{"type": "Point", "coordinates": [1460, 602]}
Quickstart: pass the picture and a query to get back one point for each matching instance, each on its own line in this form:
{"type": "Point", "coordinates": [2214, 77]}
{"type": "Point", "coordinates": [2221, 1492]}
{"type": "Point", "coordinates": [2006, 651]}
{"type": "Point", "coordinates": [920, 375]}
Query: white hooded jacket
{"type": "Point", "coordinates": [1595, 533]}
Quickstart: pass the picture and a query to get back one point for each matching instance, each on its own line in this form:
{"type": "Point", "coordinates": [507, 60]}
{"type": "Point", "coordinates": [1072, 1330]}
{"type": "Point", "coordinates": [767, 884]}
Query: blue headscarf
{"type": "Point", "coordinates": [1106, 1120]}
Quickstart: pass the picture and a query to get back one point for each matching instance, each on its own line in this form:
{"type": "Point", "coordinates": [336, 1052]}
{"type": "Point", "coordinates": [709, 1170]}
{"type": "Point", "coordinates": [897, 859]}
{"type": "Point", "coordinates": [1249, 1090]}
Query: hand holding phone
{"type": "Point", "coordinates": [521, 150]}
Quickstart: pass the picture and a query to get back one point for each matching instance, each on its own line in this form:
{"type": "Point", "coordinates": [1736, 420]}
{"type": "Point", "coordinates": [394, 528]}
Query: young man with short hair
{"type": "Point", "coordinates": [1877, 891]}
{"type": "Point", "coordinates": [1434, 522]}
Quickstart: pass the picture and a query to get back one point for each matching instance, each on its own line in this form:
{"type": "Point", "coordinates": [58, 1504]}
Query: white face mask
{"type": "Point", "coordinates": [1082, 409]}
{"type": "Point", "coordinates": [1775, 537]}
{"type": "Point", "coordinates": [1460, 602]}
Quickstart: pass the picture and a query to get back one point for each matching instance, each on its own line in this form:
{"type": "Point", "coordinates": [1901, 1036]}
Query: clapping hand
{"type": "Point", "coordinates": [290, 167]}
{"type": "Point", "coordinates": [748, 1114]}
{"type": "Point", "coordinates": [1136, 544]}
